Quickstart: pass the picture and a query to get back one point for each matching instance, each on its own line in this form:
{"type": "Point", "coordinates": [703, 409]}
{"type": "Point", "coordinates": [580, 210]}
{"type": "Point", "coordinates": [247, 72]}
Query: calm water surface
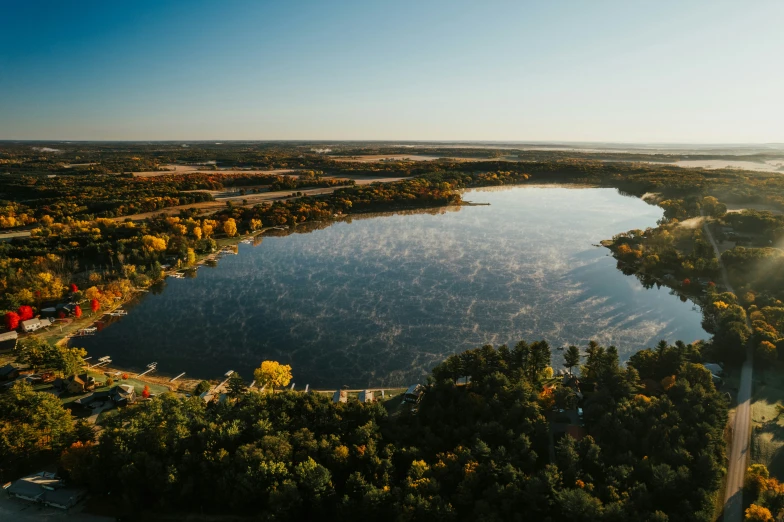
{"type": "Point", "coordinates": [380, 301]}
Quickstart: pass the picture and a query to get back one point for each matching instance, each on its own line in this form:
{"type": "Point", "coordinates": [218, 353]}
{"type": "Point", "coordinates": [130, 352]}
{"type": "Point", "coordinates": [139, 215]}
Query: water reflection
{"type": "Point", "coordinates": [379, 301]}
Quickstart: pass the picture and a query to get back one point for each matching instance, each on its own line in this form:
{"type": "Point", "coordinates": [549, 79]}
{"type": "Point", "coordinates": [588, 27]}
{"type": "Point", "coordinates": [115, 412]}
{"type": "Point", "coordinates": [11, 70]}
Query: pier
{"type": "Point", "coordinates": [150, 367]}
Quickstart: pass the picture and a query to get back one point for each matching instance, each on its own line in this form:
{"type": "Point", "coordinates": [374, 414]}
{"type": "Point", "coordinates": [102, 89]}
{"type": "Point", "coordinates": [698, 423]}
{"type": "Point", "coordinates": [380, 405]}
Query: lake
{"type": "Point", "coordinates": [379, 301]}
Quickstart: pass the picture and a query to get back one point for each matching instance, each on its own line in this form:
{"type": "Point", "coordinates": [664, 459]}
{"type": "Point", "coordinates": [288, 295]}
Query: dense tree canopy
{"type": "Point", "coordinates": [476, 451]}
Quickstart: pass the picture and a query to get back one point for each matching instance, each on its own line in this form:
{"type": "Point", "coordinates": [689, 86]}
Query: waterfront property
{"type": "Point", "coordinates": [120, 395]}
{"type": "Point", "coordinates": [75, 383]}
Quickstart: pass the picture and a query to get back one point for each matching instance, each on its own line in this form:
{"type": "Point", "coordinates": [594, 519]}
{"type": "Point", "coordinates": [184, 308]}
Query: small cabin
{"type": "Point", "coordinates": [340, 396]}
{"type": "Point", "coordinates": [365, 396]}
{"type": "Point", "coordinates": [414, 393]}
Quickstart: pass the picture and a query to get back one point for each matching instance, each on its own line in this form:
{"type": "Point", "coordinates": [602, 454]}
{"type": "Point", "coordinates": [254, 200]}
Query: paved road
{"type": "Point", "coordinates": [741, 429]}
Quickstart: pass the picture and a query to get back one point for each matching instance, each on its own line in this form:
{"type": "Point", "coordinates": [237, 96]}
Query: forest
{"type": "Point", "coordinates": [649, 446]}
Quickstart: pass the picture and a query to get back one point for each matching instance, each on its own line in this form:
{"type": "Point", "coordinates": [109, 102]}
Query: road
{"type": "Point", "coordinates": [222, 197]}
{"type": "Point", "coordinates": [741, 429]}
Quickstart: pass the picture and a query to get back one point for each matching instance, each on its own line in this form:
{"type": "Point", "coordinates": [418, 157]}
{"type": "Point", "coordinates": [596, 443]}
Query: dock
{"type": "Point", "coordinates": [150, 367]}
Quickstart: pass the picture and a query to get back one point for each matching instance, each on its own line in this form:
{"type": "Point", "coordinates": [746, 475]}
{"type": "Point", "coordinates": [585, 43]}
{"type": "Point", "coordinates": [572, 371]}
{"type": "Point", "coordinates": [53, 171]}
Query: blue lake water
{"type": "Point", "coordinates": [379, 301]}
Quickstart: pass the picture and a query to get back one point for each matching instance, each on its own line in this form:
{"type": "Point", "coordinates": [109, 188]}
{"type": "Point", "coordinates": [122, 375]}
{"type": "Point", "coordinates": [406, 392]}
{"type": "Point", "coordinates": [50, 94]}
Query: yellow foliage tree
{"type": "Point", "coordinates": [230, 227]}
{"type": "Point", "coordinates": [153, 243]}
{"type": "Point", "coordinates": [272, 374]}
{"type": "Point", "coordinates": [757, 513]}
{"type": "Point", "coordinates": [757, 476]}
{"type": "Point", "coordinates": [766, 351]}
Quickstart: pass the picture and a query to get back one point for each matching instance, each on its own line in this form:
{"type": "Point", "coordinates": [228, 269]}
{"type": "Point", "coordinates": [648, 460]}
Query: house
{"type": "Point", "coordinates": [32, 325]}
{"type": "Point", "coordinates": [75, 383]}
{"type": "Point", "coordinates": [120, 395]}
{"type": "Point", "coordinates": [340, 396]}
{"type": "Point", "coordinates": [45, 488]}
{"type": "Point", "coordinates": [365, 396]}
{"type": "Point", "coordinates": [9, 373]}
{"type": "Point", "coordinates": [123, 394]}
{"type": "Point", "coordinates": [414, 393]}
{"type": "Point", "coordinates": [78, 384]}
{"type": "Point", "coordinates": [8, 340]}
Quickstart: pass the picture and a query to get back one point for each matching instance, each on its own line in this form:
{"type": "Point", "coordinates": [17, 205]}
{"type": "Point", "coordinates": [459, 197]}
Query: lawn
{"type": "Point", "coordinates": [138, 385]}
{"type": "Point", "coordinates": [767, 429]}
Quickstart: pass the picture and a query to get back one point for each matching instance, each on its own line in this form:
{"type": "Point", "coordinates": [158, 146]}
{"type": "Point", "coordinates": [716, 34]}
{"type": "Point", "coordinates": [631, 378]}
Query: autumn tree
{"type": "Point", "coordinates": [272, 374]}
{"type": "Point", "coordinates": [230, 227]}
{"type": "Point", "coordinates": [153, 243]}
{"type": "Point", "coordinates": [12, 320]}
{"type": "Point", "coordinates": [76, 460]}
{"type": "Point", "coordinates": [146, 392]}
{"type": "Point", "coordinates": [74, 288]}
{"type": "Point", "coordinates": [766, 351]}
{"type": "Point", "coordinates": [25, 312]}
{"type": "Point", "coordinates": [94, 305]}
{"type": "Point", "coordinates": [756, 513]}
{"type": "Point", "coordinates": [77, 311]}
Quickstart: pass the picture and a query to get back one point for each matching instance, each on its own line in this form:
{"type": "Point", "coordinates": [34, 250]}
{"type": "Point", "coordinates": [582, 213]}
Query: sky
{"type": "Point", "coordinates": [601, 71]}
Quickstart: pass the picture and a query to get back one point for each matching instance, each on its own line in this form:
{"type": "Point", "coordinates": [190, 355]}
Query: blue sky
{"type": "Point", "coordinates": [692, 72]}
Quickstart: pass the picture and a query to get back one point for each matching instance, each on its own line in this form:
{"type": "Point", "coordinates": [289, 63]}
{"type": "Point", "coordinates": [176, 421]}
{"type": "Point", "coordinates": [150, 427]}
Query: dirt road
{"type": "Point", "coordinates": [741, 429]}
{"type": "Point", "coordinates": [221, 197]}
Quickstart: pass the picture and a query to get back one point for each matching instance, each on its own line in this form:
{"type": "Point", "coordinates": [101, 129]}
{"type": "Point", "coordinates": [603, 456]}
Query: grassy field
{"type": "Point", "coordinates": [767, 429]}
